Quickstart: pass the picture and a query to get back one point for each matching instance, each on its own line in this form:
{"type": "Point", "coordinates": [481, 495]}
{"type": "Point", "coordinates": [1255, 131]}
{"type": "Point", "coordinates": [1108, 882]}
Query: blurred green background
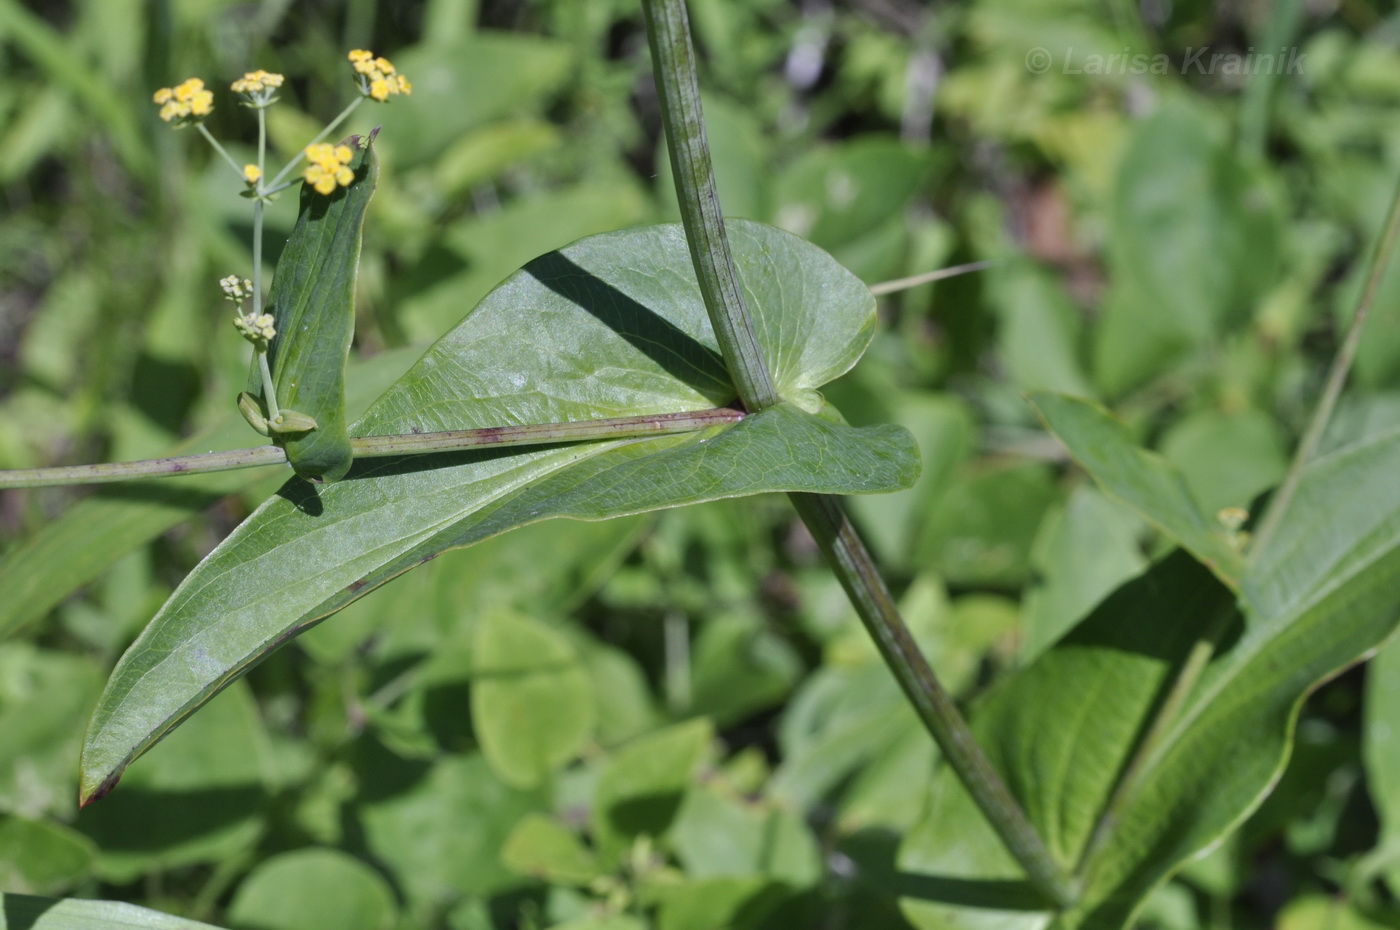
{"type": "Point", "coordinates": [1175, 237]}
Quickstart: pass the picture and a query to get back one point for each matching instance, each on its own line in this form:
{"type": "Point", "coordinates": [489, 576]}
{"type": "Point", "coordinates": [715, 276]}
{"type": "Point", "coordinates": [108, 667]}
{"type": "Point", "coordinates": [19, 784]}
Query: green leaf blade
{"type": "Point", "coordinates": [613, 325]}
{"type": "Point", "coordinates": [1317, 599]}
{"type": "Point", "coordinates": [1143, 480]}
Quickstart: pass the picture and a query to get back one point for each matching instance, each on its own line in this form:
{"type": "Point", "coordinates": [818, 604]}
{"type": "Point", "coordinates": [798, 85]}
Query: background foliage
{"type": "Point", "coordinates": [723, 747]}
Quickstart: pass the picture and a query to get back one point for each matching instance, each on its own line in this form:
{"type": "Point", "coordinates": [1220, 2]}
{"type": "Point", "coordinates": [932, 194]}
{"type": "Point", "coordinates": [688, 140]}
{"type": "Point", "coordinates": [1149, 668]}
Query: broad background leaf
{"type": "Point", "coordinates": [1317, 598]}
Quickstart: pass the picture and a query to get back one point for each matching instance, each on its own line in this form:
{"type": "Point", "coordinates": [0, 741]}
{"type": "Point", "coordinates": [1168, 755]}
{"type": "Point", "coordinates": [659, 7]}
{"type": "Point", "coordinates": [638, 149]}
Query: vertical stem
{"type": "Point", "coordinates": [1336, 380]}
{"type": "Point", "coordinates": [856, 570]}
{"type": "Point", "coordinates": [673, 61]}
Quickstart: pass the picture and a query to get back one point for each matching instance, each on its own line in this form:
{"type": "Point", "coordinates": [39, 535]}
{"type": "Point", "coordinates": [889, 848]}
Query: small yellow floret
{"type": "Point", "coordinates": [328, 167]}
{"type": "Point", "coordinates": [252, 174]}
{"type": "Point", "coordinates": [187, 102]}
{"type": "Point", "coordinates": [377, 76]}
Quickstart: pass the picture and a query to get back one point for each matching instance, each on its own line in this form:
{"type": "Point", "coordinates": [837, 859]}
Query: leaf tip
{"type": "Point", "coordinates": [103, 789]}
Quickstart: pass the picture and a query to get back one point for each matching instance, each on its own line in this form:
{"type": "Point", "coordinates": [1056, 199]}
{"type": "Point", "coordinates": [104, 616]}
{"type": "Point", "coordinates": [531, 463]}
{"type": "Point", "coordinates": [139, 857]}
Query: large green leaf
{"type": "Point", "coordinates": [1143, 480]}
{"type": "Point", "coordinates": [1320, 595]}
{"type": "Point", "coordinates": [612, 325]}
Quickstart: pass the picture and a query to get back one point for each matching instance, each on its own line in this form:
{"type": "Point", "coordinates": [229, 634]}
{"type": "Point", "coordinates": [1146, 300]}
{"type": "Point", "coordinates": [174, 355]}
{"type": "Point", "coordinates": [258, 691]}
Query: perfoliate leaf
{"type": "Point", "coordinates": [613, 325]}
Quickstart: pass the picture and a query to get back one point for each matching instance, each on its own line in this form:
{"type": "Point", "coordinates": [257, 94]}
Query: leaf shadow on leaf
{"type": "Point", "coordinates": [675, 350]}
{"type": "Point", "coordinates": [385, 466]}
{"type": "Point", "coordinates": [22, 911]}
{"type": "Point", "coordinates": [1066, 733]}
{"type": "Point", "coordinates": [648, 813]}
{"type": "Point", "coordinates": [875, 850]}
{"type": "Point", "coordinates": [302, 495]}
{"type": "Point", "coordinates": [1001, 894]}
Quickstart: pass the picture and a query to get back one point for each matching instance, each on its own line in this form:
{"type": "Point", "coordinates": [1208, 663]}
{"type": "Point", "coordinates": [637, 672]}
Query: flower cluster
{"type": "Point", "coordinates": [256, 329]}
{"type": "Point", "coordinates": [329, 165]}
{"type": "Point", "coordinates": [236, 289]}
{"type": "Point", "coordinates": [252, 174]}
{"type": "Point", "coordinates": [188, 102]}
{"type": "Point", "coordinates": [377, 76]}
{"type": "Point", "coordinates": [257, 82]}
{"type": "Point", "coordinates": [259, 87]}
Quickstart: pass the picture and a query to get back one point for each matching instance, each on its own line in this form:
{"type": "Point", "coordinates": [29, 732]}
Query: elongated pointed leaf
{"type": "Point", "coordinates": [24, 912]}
{"type": "Point", "coordinates": [1324, 593]}
{"type": "Point", "coordinates": [610, 326]}
{"type": "Point", "coordinates": [313, 303]}
{"type": "Point", "coordinates": [1143, 480]}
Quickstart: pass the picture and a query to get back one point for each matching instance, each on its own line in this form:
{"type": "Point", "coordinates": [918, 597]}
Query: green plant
{"type": "Point", "coordinates": [1132, 739]}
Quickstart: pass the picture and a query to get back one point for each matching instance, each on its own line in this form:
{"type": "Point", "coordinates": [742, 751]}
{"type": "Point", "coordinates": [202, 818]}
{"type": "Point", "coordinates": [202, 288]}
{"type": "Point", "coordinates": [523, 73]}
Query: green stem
{"type": "Point", "coordinates": [673, 61]}
{"type": "Point", "coordinates": [330, 128]}
{"type": "Point", "coordinates": [274, 412]}
{"type": "Point", "coordinates": [928, 277]}
{"type": "Point", "coordinates": [368, 446]}
{"type": "Point", "coordinates": [856, 570]}
{"type": "Point", "coordinates": [258, 205]}
{"type": "Point", "coordinates": [237, 168]}
{"type": "Point", "coordinates": [1336, 380]}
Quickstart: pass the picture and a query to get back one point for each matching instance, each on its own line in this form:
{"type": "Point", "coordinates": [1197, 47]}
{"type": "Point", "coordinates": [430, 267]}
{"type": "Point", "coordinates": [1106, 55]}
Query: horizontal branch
{"type": "Point", "coordinates": [371, 446]}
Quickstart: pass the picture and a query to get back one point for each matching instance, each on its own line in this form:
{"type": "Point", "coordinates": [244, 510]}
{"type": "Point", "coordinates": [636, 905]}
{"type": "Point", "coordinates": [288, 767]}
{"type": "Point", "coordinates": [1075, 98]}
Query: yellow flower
{"type": "Point", "coordinates": [328, 167]}
{"type": "Point", "coordinates": [377, 76]}
{"type": "Point", "coordinates": [255, 82]}
{"type": "Point", "coordinates": [256, 329]}
{"type": "Point", "coordinates": [235, 288]}
{"type": "Point", "coordinates": [187, 102]}
{"type": "Point", "coordinates": [260, 87]}
{"type": "Point", "coordinates": [252, 174]}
